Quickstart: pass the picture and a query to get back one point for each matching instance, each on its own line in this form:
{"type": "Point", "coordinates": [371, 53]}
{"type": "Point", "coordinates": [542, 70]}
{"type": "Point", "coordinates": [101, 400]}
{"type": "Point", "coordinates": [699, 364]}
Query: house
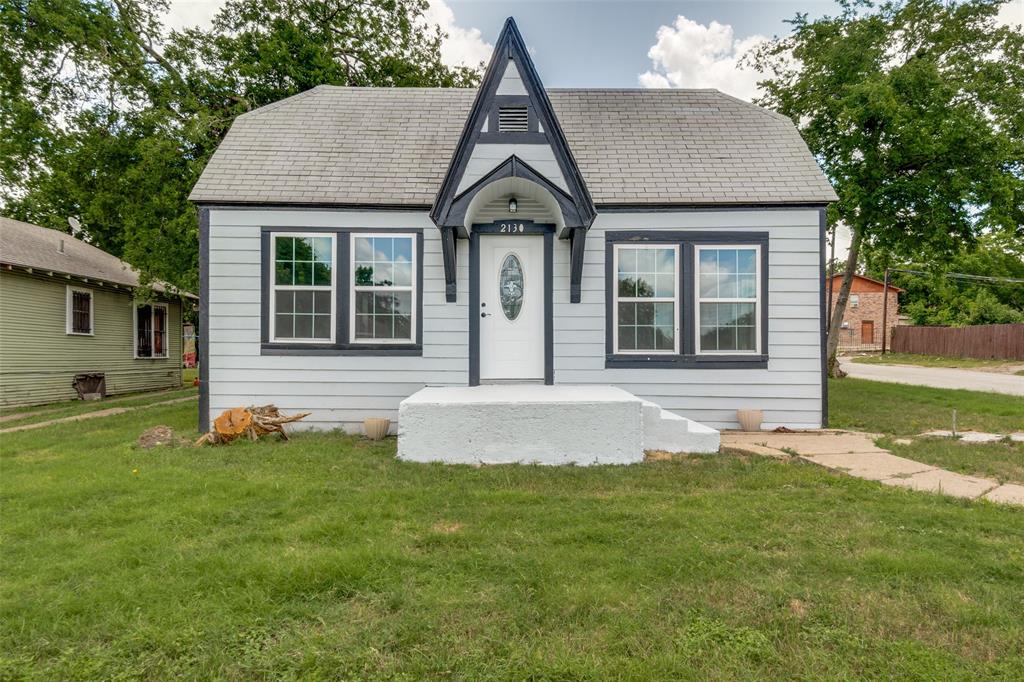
{"type": "Point", "coordinates": [70, 324]}
{"type": "Point", "coordinates": [862, 319]}
{"type": "Point", "coordinates": [360, 244]}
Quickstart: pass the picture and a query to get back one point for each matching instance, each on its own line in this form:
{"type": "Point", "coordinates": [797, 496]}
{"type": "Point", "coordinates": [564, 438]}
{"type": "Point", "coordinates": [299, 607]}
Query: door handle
{"type": "Point", "coordinates": [483, 314]}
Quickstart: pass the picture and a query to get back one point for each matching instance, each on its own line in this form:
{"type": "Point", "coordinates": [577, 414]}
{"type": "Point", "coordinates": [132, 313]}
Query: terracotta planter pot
{"type": "Point", "coordinates": [376, 428]}
{"type": "Point", "coordinates": [750, 420]}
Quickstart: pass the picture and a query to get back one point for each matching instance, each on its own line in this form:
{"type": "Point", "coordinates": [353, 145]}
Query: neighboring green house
{"type": "Point", "coordinates": [70, 325]}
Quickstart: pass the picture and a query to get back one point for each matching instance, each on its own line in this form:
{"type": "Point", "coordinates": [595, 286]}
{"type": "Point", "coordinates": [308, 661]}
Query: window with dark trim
{"type": "Point", "coordinates": [150, 325]}
{"type": "Point", "coordinates": [79, 311]}
{"type": "Point", "coordinates": [686, 299]}
{"type": "Point", "coordinates": [363, 289]}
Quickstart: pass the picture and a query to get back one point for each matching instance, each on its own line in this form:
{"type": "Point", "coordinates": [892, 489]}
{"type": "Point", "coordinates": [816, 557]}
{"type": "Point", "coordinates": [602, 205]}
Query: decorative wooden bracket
{"type": "Point", "coordinates": [450, 270]}
{"type": "Point", "coordinates": [578, 240]}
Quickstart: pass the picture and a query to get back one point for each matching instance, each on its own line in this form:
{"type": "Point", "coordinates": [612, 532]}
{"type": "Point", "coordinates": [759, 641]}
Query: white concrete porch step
{"type": "Point", "coordinates": [505, 424]}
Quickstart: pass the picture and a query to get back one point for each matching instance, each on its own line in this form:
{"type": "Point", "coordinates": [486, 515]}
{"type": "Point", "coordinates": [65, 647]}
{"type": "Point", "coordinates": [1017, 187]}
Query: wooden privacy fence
{"type": "Point", "coordinates": [1004, 341]}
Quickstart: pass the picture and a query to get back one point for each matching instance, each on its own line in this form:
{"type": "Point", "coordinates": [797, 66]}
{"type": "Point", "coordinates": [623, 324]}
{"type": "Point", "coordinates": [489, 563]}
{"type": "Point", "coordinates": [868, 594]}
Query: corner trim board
{"type": "Point", "coordinates": [204, 319]}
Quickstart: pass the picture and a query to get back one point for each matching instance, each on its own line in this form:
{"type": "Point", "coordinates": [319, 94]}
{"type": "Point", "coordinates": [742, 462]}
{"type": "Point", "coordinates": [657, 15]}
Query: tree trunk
{"type": "Point", "coordinates": [840, 308]}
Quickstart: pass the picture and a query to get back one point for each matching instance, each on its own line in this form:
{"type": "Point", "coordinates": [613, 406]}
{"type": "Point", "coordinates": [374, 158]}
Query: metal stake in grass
{"type": "Point", "coordinates": [954, 423]}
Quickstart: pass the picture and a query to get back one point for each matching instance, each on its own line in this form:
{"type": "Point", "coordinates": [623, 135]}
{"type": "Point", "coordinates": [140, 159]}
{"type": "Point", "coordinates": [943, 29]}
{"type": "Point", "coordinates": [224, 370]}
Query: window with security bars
{"type": "Point", "coordinates": [646, 296]}
{"type": "Point", "coordinates": [79, 314]}
{"type": "Point", "coordinates": [302, 299]}
{"type": "Point", "coordinates": [513, 119]}
{"type": "Point", "coordinates": [383, 295]}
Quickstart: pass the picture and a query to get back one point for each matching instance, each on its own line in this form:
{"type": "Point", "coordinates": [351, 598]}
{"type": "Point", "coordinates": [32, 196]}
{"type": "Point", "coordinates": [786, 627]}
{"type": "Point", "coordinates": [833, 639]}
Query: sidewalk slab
{"type": "Point", "coordinates": [873, 466]}
{"type": "Point", "coordinates": [944, 482]}
{"type": "Point", "coordinates": [815, 444]}
{"type": "Point", "coordinates": [1008, 493]}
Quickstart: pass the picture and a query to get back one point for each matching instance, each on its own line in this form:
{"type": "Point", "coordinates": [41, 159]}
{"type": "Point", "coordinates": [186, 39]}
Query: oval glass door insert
{"type": "Point", "coordinates": [510, 286]}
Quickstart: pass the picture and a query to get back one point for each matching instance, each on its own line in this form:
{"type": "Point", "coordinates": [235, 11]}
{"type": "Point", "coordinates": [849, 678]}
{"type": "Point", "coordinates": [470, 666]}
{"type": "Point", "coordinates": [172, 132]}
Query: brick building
{"type": "Point", "coordinates": [862, 322]}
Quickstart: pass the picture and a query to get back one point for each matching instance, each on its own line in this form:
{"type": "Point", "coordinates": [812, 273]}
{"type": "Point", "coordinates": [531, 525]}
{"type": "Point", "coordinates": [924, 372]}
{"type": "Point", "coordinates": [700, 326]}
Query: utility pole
{"type": "Point", "coordinates": [885, 310]}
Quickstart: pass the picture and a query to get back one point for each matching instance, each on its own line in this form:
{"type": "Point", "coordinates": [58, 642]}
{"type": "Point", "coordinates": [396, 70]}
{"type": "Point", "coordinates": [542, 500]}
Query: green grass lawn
{"type": "Point", "coordinates": [326, 558]}
{"type": "Point", "coordinates": [70, 408]}
{"type": "Point", "coordinates": [930, 361]}
{"type": "Point", "coordinates": [902, 410]}
{"type": "Point", "coordinates": [1003, 461]}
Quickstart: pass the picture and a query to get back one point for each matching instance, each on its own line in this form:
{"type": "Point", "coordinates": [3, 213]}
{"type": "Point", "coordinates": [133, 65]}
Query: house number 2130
{"type": "Point", "coordinates": [513, 227]}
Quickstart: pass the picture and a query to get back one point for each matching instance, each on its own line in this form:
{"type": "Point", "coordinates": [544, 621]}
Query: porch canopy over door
{"type": "Point", "coordinates": [512, 147]}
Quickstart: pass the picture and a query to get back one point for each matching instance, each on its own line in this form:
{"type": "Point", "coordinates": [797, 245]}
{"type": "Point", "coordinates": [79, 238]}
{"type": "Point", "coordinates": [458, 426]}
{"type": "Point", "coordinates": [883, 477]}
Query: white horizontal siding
{"type": "Point", "coordinates": [342, 390]}
{"type": "Point", "coordinates": [789, 390]}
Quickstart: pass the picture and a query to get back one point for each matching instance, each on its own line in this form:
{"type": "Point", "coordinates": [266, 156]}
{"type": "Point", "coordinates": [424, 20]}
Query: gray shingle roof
{"type": "Point", "coordinates": [392, 146]}
{"type": "Point", "coordinates": [30, 246]}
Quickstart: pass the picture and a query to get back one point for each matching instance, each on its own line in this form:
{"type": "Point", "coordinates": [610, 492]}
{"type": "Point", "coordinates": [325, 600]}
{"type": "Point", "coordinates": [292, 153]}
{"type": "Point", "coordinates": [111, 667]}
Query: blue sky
{"type": "Point", "coordinates": [579, 43]}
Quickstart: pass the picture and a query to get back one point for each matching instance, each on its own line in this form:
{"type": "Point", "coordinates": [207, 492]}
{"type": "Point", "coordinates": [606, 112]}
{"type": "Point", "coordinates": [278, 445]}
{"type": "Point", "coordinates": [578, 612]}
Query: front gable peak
{"type": "Point", "coordinates": [511, 117]}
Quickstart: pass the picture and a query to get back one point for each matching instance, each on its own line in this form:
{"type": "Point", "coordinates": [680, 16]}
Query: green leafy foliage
{"type": "Point", "coordinates": [915, 111]}
{"type": "Point", "coordinates": [107, 116]}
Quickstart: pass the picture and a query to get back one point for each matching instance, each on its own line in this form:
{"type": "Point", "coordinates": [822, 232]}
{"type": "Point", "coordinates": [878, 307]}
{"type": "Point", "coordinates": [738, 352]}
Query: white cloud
{"type": "Point", "coordinates": [1011, 14]}
{"type": "Point", "coordinates": [692, 55]}
{"type": "Point", "coordinates": [463, 46]}
{"type": "Point", "coordinates": [183, 14]}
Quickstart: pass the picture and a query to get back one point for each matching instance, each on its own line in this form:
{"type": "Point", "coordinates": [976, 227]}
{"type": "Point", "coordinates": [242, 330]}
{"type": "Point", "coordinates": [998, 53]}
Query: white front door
{"type": "Point", "coordinates": [511, 307]}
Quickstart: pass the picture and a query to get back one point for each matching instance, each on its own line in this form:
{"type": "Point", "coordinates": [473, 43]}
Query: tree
{"type": "Point", "coordinates": [915, 111]}
{"type": "Point", "coordinates": [107, 116]}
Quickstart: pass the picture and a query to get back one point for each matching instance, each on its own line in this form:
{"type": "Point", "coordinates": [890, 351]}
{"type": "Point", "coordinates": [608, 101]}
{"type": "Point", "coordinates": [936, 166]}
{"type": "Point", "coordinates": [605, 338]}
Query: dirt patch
{"type": "Point", "coordinates": [157, 436]}
{"type": "Point", "coordinates": [797, 608]}
{"type": "Point", "coordinates": [446, 528]}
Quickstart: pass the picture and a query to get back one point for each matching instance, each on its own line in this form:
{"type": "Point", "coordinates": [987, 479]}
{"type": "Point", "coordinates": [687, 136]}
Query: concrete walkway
{"type": "Point", "coordinates": [108, 412]}
{"type": "Point", "coordinates": [857, 455]}
{"type": "Point", "coordinates": [936, 377]}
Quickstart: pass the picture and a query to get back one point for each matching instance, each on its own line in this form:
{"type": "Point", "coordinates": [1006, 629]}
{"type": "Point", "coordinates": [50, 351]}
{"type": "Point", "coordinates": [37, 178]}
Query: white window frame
{"type": "Point", "coordinates": [152, 330]}
{"type": "Point", "coordinates": [674, 299]}
{"type": "Point", "coordinates": [854, 300]}
{"type": "Point", "coordinates": [698, 299]}
{"type": "Point", "coordinates": [414, 313]}
{"type": "Point", "coordinates": [275, 287]}
{"type": "Point", "coordinates": [69, 326]}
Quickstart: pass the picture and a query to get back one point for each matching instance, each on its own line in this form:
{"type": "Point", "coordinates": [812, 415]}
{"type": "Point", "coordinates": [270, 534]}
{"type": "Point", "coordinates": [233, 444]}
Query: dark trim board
{"type": "Point", "coordinates": [342, 345]}
{"type": "Point", "coordinates": [548, 233]}
{"type": "Point", "coordinates": [204, 319]}
{"type": "Point", "coordinates": [686, 302]}
{"type": "Point", "coordinates": [823, 227]}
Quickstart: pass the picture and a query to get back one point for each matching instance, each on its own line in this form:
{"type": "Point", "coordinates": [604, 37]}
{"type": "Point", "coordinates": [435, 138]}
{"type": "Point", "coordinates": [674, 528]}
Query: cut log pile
{"type": "Point", "coordinates": [250, 422]}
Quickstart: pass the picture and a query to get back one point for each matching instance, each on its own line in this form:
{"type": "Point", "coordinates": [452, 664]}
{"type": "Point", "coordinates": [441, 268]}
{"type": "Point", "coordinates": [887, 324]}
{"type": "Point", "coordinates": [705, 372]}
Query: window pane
{"type": "Point", "coordinates": [403, 274]}
{"type": "Point", "coordinates": [322, 250]}
{"type": "Point", "coordinates": [627, 261]}
{"type": "Point", "coordinates": [144, 332]}
{"type": "Point", "coordinates": [627, 337]}
{"type": "Point", "coordinates": [322, 326]}
{"type": "Point", "coordinates": [664, 338]}
{"type": "Point", "coordinates": [708, 286]}
{"type": "Point", "coordinates": [364, 274]}
{"type": "Point", "coordinates": [285, 248]}
{"type": "Point", "coordinates": [364, 302]}
{"type": "Point", "coordinates": [645, 313]}
{"type": "Point", "coordinates": [747, 286]}
{"type": "Point", "coordinates": [364, 249]}
{"type": "Point", "coordinates": [665, 286]}
{"type": "Point", "coordinates": [303, 326]}
{"type": "Point", "coordinates": [283, 327]}
{"type": "Point", "coordinates": [664, 314]}
{"type": "Point", "coordinates": [322, 302]}
{"type": "Point", "coordinates": [284, 301]}
{"type": "Point", "coordinates": [321, 274]}
{"type": "Point", "coordinates": [383, 274]}
{"type": "Point", "coordinates": [303, 273]}
{"type": "Point", "coordinates": [364, 326]}
{"type": "Point", "coordinates": [645, 338]}
{"type": "Point", "coordinates": [304, 249]}
{"type": "Point", "coordinates": [747, 261]}
{"type": "Point", "coordinates": [403, 250]}
{"type": "Point", "coordinates": [746, 314]}
{"type": "Point", "coordinates": [727, 338]}
{"type": "Point", "coordinates": [708, 338]}
{"type": "Point", "coordinates": [403, 327]}
{"type": "Point", "coordinates": [285, 273]}
{"type": "Point", "coordinates": [627, 313]}
{"type": "Point", "coordinates": [727, 285]}
{"type": "Point", "coordinates": [745, 338]}
{"type": "Point", "coordinates": [627, 286]}
{"type": "Point", "coordinates": [383, 327]}
{"type": "Point", "coordinates": [666, 261]}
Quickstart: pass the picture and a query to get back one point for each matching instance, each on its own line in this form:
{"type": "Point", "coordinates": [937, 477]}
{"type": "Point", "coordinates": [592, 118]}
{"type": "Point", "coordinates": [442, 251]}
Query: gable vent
{"type": "Point", "coordinates": [513, 119]}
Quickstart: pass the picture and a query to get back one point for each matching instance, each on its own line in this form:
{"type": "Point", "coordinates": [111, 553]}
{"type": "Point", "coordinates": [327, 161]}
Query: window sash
{"type": "Point", "coordinates": [674, 299]}
{"type": "Point", "coordinates": [75, 314]}
{"type": "Point", "coordinates": [275, 287]}
{"type": "Point", "coordinates": [756, 299]}
{"type": "Point", "coordinates": [384, 288]}
{"type": "Point", "coordinates": [157, 338]}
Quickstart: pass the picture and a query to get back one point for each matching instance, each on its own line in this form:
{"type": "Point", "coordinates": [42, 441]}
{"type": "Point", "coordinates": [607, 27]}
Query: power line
{"type": "Point", "coordinates": [961, 275]}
